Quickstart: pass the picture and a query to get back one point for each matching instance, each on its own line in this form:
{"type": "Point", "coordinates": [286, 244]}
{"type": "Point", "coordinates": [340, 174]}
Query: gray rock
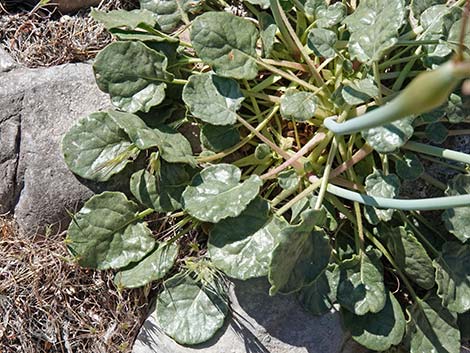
{"type": "Point", "coordinates": [6, 61]}
{"type": "Point", "coordinates": [38, 107]}
{"type": "Point", "coordinates": [259, 324]}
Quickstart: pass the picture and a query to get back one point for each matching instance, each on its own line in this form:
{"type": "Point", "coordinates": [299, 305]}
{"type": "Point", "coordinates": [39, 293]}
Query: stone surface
{"type": "Point", "coordinates": [6, 62]}
{"type": "Point", "coordinates": [258, 324]}
{"type": "Point", "coordinates": [38, 107]}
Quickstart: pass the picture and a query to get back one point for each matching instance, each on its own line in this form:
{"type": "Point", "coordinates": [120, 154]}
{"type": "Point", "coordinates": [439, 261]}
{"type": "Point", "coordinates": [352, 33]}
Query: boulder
{"type": "Point", "coordinates": [259, 324]}
{"type": "Point", "coordinates": [38, 107]}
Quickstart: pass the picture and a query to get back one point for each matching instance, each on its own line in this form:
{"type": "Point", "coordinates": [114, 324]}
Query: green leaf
{"type": "Point", "coordinates": [298, 106]}
{"type": "Point", "coordinates": [361, 288]}
{"type": "Point", "coordinates": [390, 137]}
{"type": "Point", "coordinates": [379, 184]}
{"type": "Point", "coordinates": [359, 91]}
{"type": "Point", "coordinates": [108, 233]}
{"type": "Point", "coordinates": [213, 99]}
{"type": "Point", "coordinates": [436, 132]}
{"type": "Point", "coordinates": [170, 13]}
{"type": "Point", "coordinates": [374, 28]}
{"type": "Point", "coordinates": [319, 296]}
{"type": "Point", "coordinates": [457, 110]}
{"type": "Point", "coordinates": [219, 138]}
{"type": "Point", "coordinates": [162, 194]}
{"type": "Point", "coordinates": [288, 179]}
{"type": "Point", "coordinates": [154, 267]}
{"type": "Point", "coordinates": [322, 42]}
{"type": "Point", "coordinates": [227, 43]}
{"type": "Point", "coordinates": [328, 17]}
{"type": "Point", "coordinates": [264, 4]}
{"type": "Point", "coordinates": [216, 193]}
{"type": "Point", "coordinates": [453, 276]}
{"type": "Point", "coordinates": [453, 40]}
{"type": "Point", "coordinates": [409, 167]}
{"type": "Point", "coordinates": [242, 246]}
{"type": "Point", "coordinates": [134, 75]}
{"type": "Point", "coordinates": [457, 220]}
{"type": "Point", "coordinates": [268, 32]}
{"type": "Point", "coordinates": [300, 256]}
{"type": "Point", "coordinates": [418, 6]}
{"type": "Point", "coordinates": [190, 312]}
{"type": "Point", "coordinates": [124, 19]}
{"type": "Point", "coordinates": [311, 6]}
{"type": "Point", "coordinates": [378, 331]}
{"type": "Point", "coordinates": [173, 146]}
{"type": "Point", "coordinates": [410, 256]}
{"type": "Point", "coordinates": [96, 147]}
{"type": "Point", "coordinates": [432, 328]}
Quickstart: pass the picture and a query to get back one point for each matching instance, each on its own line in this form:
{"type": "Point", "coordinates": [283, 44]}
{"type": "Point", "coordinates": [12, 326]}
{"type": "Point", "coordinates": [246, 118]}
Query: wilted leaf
{"type": "Point", "coordinates": [216, 193]}
{"type": "Point", "coordinates": [155, 266]}
{"type": "Point", "coordinates": [134, 75]}
{"type": "Point", "coordinates": [378, 331]}
{"type": "Point", "coordinates": [213, 99]}
{"type": "Point", "coordinates": [453, 276]}
{"type": "Point", "coordinates": [107, 232]}
{"type": "Point", "coordinates": [96, 147]}
{"type": "Point", "coordinates": [190, 312]}
{"type": "Point", "coordinates": [242, 246]}
{"type": "Point", "coordinates": [227, 43]}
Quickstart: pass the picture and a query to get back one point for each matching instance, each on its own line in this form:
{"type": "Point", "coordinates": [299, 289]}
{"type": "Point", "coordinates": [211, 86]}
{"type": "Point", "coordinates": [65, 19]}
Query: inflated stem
{"type": "Point", "coordinates": [426, 92]}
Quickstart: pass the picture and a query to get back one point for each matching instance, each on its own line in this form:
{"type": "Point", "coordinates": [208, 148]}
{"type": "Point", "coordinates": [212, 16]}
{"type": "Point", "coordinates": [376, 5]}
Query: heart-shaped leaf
{"type": "Point", "coordinates": [190, 312]}
{"type": "Point", "coordinates": [216, 193]}
{"type": "Point", "coordinates": [155, 266]}
{"type": "Point", "coordinates": [330, 16]}
{"type": "Point", "coordinates": [301, 255]}
{"type": "Point", "coordinates": [134, 75]}
{"type": "Point", "coordinates": [390, 137]}
{"type": "Point", "coordinates": [298, 106]}
{"type": "Point", "coordinates": [213, 99]}
{"type": "Point", "coordinates": [322, 42]}
{"type": "Point", "coordinates": [432, 328]}
{"type": "Point", "coordinates": [374, 28]}
{"type": "Point", "coordinates": [108, 233]}
{"type": "Point", "coordinates": [379, 184]}
{"type": "Point", "coordinates": [378, 331]}
{"type": "Point", "coordinates": [170, 13]}
{"type": "Point", "coordinates": [124, 19]}
{"type": "Point", "coordinates": [457, 220]}
{"type": "Point", "coordinates": [453, 276]}
{"type": "Point", "coordinates": [242, 246]}
{"type": "Point", "coordinates": [319, 296]}
{"type": "Point", "coordinates": [227, 43]}
{"type": "Point", "coordinates": [361, 288]}
{"type": "Point", "coordinates": [96, 147]}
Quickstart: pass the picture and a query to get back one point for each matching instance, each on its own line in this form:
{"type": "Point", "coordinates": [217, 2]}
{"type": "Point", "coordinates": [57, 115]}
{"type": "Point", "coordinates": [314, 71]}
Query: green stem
{"type": "Point", "coordinates": [145, 213]}
{"type": "Point", "coordinates": [437, 152]}
{"type": "Point", "coordinates": [286, 75]}
{"type": "Point", "coordinates": [376, 70]}
{"type": "Point", "coordinates": [326, 174]}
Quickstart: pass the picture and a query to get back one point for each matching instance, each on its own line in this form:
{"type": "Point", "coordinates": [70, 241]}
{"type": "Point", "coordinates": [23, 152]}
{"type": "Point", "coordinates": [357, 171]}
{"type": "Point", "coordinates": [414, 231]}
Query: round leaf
{"type": "Point", "coordinates": [298, 106]}
{"type": "Point", "coordinates": [155, 266]}
{"type": "Point", "coordinates": [170, 13]}
{"type": "Point", "coordinates": [227, 43]}
{"type": "Point", "coordinates": [108, 233]}
{"type": "Point", "coordinates": [390, 137]}
{"type": "Point", "coordinates": [457, 220]}
{"type": "Point", "coordinates": [453, 276]}
{"type": "Point", "coordinates": [219, 138]}
{"type": "Point", "coordinates": [242, 246]}
{"type": "Point", "coordinates": [378, 331]}
{"type": "Point", "coordinates": [133, 74]}
{"type": "Point", "coordinates": [436, 132]}
{"type": "Point", "coordinates": [213, 99]}
{"type": "Point", "coordinates": [379, 184]}
{"type": "Point", "coordinates": [409, 167]}
{"type": "Point", "coordinates": [330, 16]}
{"type": "Point", "coordinates": [96, 147]}
{"type": "Point", "coordinates": [216, 193]}
{"type": "Point", "coordinates": [189, 312]}
{"type": "Point", "coordinates": [322, 42]}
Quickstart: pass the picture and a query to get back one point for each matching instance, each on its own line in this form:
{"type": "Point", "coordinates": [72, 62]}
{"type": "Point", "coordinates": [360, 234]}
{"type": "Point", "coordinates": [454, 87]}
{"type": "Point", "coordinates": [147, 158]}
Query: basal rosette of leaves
{"type": "Point", "coordinates": [219, 131]}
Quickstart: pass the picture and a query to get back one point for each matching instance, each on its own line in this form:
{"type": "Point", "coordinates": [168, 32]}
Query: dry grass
{"type": "Point", "coordinates": [49, 304]}
{"type": "Point", "coordinates": [41, 37]}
